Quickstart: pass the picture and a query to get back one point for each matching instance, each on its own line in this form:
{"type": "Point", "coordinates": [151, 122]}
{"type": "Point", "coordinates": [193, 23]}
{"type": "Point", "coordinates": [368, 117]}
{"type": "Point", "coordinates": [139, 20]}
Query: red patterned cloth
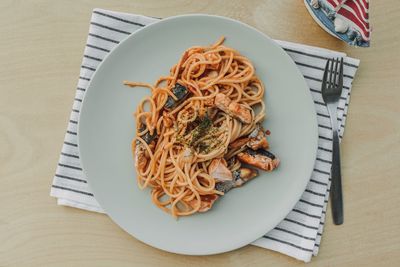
{"type": "Point", "coordinates": [355, 13]}
{"type": "Point", "coordinates": [336, 4]}
{"type": "Point", "coordinates": [348, 20]}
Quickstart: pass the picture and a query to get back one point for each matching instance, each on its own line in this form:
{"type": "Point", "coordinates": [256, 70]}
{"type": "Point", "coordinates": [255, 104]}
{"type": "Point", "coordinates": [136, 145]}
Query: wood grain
{"type": "Point", "coordinates": [41, 48]}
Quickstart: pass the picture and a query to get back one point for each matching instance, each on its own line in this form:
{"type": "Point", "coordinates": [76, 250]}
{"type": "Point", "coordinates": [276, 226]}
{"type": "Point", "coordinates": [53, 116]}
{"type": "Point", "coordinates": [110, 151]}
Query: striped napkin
{"type": "Point", "coordinates": [299, 234]}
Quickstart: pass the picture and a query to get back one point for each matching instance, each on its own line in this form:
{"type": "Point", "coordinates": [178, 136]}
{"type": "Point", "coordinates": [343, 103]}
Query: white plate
{"type": "Point", "coordinates": [106, 128]}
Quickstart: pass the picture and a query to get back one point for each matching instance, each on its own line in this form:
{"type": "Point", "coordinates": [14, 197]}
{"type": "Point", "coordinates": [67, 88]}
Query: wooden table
{"type": "Point", "coordinates": [41, 48]}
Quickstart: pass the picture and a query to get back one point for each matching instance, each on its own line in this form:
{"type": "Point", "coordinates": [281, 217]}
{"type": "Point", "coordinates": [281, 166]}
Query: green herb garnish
{"type": "Point", "coordinates": [201, 130]}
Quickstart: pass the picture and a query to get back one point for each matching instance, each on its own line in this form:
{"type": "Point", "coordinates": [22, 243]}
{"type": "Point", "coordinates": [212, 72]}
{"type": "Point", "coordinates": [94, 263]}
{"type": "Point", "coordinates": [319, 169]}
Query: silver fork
{"type": "Point", "coordinates": [331, 90]}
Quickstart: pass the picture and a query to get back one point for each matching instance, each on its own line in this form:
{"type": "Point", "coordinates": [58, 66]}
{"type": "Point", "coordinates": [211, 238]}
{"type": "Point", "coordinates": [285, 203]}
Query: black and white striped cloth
{"type": "Point", "coordinates": [299, 234]}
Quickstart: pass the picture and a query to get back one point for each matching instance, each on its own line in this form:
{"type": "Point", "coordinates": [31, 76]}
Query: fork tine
{"type": "Point", "coordinates": [340, 82]}
{"type": "Point", "coordinates": [335, 74]}
{"type": "Point", "coordinates": [324, 78]}
{"type": "Point", "coordinates": [330, 74]}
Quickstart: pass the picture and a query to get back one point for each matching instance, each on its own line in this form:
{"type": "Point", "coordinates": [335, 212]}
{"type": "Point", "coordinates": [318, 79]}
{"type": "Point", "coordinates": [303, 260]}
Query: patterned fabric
{"type": "Point", "coordinates": [347, 20]}
{"type": "Point", "coordinates": [355, 14]}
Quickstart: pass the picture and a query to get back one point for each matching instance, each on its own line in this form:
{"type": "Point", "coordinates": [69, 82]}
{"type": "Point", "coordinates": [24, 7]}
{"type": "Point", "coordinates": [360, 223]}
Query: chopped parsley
{"type": "Point", "coordinates": [201, 130]}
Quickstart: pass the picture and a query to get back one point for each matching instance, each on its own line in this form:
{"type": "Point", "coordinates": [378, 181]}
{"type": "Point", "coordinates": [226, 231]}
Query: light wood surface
{"type": "Point", "coordinates": [41, 46]}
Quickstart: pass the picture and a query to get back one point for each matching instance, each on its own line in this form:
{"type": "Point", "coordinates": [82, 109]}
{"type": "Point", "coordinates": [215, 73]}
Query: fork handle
{"type": "Point", "coordinates": [336, 185]}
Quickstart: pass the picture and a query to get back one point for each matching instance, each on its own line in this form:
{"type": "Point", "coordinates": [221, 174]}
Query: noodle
{"type": "Point", "coordinates": [182, 128]}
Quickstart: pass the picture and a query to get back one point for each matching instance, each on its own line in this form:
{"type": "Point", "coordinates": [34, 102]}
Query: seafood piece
{"type": "Point", "coordinates": [212, 74]}
{"type": "Point", "coordinates": [141, 153]}
{"type": "Point", "coordinates": [206, 202]}
{"type": "Point", "coordinates": [147, 137]}
{"type": "Point", "coordinates": [140, 156]}
{"type": "Point", "coordinates": [240, 177]}
{"type": "Point", "coordinates": [256, 139]}
{"type": "Point", "coordinates": [239, 143]}
{"type": "Point", "coordinates": [233, 108]}
{"type": "Point", "coordinates": [212, 111]}
{"type": "Point", "coordinates": [187, 155]}
{"type": "Point", "coordinates": [181, 92]}
{"type": "Point", "coordinates": [222, 102]}
{"type": "Point", "coordinates": [234, 164]}
{"type": "Point", "coordinates": [219, 171]}
{"type": "Point", "coordinates": [224, 186]}
{"type": "Point", "coordinates": [260, 158]}
{"type": "Point", "coordinates": [243, 175]}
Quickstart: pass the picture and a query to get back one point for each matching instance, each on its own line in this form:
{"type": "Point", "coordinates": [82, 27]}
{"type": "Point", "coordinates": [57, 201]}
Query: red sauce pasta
{"type": "Point", "coordinates": [200, 124]}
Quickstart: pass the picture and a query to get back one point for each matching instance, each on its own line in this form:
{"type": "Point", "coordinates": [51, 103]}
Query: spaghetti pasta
{"type": "Point", "coordinates": [199, 125]}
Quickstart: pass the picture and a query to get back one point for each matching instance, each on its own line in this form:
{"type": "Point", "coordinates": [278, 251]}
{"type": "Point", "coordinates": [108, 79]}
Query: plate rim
{"type": "Point", "coordinates": [284, 54]}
